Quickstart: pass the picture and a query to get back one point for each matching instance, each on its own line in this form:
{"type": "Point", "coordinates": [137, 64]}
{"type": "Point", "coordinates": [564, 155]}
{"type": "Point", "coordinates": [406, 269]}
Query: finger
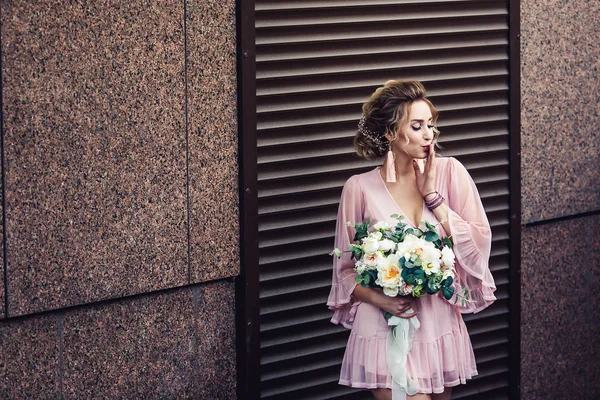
{"type": "Point", "coordinates": [409, 315]}
{"type": "Point", "coordinates": [416, 168]}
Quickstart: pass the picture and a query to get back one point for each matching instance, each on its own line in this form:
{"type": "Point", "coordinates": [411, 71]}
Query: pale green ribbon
{"type": "Point", "coordinates": [399, 342]}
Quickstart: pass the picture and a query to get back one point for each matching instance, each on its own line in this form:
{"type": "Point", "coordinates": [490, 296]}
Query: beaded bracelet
{"type": "Point", "coordinates": [435, 202]}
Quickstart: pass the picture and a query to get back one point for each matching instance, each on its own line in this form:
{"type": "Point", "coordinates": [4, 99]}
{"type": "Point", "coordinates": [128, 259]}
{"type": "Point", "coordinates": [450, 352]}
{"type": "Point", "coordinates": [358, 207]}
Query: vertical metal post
{"type": "Point", "coordinates": [247, 287]}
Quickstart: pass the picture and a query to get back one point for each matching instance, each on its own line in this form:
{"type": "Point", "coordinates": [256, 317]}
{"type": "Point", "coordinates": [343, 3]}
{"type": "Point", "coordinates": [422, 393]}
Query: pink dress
{"type": "Point", "coordinates": [441, 353]}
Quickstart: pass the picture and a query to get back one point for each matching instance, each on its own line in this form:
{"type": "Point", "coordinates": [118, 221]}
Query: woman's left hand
{"type": "Point", "coordinates": [426, 179]}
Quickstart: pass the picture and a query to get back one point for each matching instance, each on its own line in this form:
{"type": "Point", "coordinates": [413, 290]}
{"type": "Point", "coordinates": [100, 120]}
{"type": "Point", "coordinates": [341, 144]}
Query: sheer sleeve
{"type": "Point", "coordinates": [472, 239]}
{"type": "Point", "coordinates": [351, 209]}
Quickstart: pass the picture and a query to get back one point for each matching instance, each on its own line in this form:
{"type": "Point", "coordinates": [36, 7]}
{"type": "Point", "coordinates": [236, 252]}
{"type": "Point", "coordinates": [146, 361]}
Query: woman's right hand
{"type": "Point", "coordinates": [395, 305]}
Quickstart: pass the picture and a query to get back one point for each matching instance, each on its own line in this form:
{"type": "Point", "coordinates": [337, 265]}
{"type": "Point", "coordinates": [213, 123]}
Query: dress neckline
{"type": "Point", "coordinates": [397, 205]}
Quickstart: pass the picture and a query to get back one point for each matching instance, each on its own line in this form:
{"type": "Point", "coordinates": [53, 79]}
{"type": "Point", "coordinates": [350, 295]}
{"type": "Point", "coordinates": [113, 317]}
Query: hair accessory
{"type": "Point", "coordinates": [435, 202]}
{"type": "Point", "coordinates": [381, 144]}
{"type": "Point", "coordinates": [390, 169]}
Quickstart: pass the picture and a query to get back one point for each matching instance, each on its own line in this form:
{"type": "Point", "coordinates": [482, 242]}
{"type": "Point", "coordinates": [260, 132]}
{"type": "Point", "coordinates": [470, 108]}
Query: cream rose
{"type": "Point", "coordinates": [370, 245]}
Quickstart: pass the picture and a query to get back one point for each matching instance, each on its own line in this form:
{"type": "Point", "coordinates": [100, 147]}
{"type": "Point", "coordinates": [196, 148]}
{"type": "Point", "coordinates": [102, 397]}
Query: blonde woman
{"type": "Point", "coordinates": [398, 122]}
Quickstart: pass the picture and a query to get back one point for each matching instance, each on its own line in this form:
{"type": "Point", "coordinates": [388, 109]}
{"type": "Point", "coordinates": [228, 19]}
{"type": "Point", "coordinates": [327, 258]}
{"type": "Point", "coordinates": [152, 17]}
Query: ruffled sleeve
{"type": "Point", "coordinates": [472, 239]}
{"type": "Point", "coordinates": [351, 209]}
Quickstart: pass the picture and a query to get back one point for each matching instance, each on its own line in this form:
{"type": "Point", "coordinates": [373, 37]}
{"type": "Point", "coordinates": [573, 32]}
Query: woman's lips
{"type": "Point", "coordinates": [426, 148]}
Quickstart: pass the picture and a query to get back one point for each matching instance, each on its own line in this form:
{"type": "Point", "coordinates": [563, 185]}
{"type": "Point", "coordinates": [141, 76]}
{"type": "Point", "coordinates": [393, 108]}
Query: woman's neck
{"type": "Point", "coordinates": [404, 167]}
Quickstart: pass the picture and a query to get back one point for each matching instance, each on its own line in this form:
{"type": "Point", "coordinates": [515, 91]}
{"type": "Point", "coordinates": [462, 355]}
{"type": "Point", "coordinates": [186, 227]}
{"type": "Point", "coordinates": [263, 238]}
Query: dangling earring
{"type": "Point", "coordinates": [390, 170]}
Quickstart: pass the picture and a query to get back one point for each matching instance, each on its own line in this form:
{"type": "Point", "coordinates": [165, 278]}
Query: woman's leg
{"type": "Point", "coordinates": [442, 396]}
{"type": "Point", "coordinates": [386, 394]}
{"type": "Point", "coordinates": [419, 396]}
{"type": "Point", "coordinates": [382, 394]}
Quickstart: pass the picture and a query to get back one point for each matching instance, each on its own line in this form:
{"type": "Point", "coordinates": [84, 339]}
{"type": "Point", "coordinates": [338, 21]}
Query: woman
{"type": "Point", "coordinates": [398, 120]}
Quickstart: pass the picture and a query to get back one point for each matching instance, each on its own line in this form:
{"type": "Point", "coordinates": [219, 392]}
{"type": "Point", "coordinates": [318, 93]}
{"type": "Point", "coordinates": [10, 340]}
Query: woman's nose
{"type": "Point", "coordinates": [428, 133]}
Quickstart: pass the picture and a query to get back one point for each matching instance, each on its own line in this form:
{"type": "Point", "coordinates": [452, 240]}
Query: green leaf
{"type": "Point", "coordinates": [448, 292]}
{"type": "Point", "coordinates": [362, 230]}
{"type": "Point", "coordinates": [431, 236]}
{"type": "Point", "coordinates": [396, 216]}
{"type": "Point", "coordinates": [418, 291]}
{"type": "Point", "coordinates": [387, 315]}
{"type": "Point", "coordinates": [448, 281]}
{"type": "Point", "coordinates": [356, 251]}
{"type": "Point", "coordinates": [358, 279]}
{"type": "Point", "coordinates": [447, 241]}
{"type": "Point", "coordinates": [418, 262]}
{"type": "Point", "coordinates": [430, 227]}
{"type": "Point", "coordinates": [418, 273]}
{"type": "Point", "coordinates": [367, 279]}
{"type": "Point", "coordinates": [429, 288]}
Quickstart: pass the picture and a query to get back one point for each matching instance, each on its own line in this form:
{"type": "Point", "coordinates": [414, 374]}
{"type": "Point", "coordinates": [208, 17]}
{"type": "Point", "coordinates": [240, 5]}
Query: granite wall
{"type": "Point", "coordinates": [120, 199]}
{"type": "Point", "coordinates": [560, 126]}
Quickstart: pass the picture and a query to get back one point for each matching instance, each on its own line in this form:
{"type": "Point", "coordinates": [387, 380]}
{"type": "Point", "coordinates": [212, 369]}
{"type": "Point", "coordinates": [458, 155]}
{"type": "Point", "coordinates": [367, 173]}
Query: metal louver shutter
{"type": "Point", "coordinates": [316, 63]}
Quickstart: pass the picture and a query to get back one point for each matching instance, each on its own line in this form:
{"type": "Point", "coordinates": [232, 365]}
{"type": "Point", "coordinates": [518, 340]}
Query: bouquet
{"type": "Point", "coordinates": [403, 261]}
{"type": "Point", "coordinates": [407, 262]}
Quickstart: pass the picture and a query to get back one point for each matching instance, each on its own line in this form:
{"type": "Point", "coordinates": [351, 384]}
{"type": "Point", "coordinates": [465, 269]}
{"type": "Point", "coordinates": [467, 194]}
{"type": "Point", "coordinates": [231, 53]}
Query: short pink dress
{"type": "Point", "coordinates": [441, 354]}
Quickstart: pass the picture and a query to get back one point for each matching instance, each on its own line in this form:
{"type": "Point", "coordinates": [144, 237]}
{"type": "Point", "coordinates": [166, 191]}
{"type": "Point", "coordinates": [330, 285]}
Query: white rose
{"type": "Point", "coordinates": [447, 256]}
{"type": "Point", "coordinates": [382, 225]}
{"type": "Point", "coordinates": [373, 259]}
{"type": "Point", "coordinates": [370, 245]}
{"type": "Point", "coordinates": [392, 292]}
{"type": "Point", "coordinates": [376, 235]}
{"type": "Point", "coordinates": [386, 245]}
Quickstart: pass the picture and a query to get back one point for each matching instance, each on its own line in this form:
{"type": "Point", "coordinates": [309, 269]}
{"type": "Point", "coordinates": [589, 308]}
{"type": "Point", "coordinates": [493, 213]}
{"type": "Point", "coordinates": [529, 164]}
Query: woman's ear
{"type": "Point", "coordinates": [389, 137]}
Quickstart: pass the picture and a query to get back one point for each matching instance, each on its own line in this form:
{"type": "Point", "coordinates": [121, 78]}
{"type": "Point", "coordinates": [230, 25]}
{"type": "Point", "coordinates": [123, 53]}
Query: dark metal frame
{"type": "Point", "coordinates": [247, 289]}
{"type": "Point", "coordinates": [515, 198]}
{"type": "Point", "coordinates": [247, 284]}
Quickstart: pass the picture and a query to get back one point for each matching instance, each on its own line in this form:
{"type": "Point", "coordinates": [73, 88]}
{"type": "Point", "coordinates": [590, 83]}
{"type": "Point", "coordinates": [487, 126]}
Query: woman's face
{"type": "Point", "coordinates": [419, 131]}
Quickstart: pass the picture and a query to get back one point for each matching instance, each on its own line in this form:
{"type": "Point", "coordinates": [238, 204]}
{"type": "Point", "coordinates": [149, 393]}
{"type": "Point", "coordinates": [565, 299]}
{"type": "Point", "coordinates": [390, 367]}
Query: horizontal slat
{"type": "Point", "coordinates": [457, 109]}
{"type": "Point", "coordinates": [423, 26]}
{"type": "Point", "coordinates": [367, 64]}
{"type": "Point", "coordinates": [488, 87]}
{"type": "Point", "coordinates": [369, 14]}
{"type": "Point", "coordinates": [431, 75]}
{"type": "Point", "coordinates": [316, 5]}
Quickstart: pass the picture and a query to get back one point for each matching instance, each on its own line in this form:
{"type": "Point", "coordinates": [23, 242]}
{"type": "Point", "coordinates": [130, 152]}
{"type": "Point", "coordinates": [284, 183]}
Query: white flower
{"type": "Point", "coordinates": [388, 272]}
{"type": "Point", "coordinates": [376, 235]}
{"type": "Point", "coordinates": [405, 288]}
{"type": "Point", "coordinates": [360, 267]}
{"type": "Point", "coordinates": [390, 291]}
{"type": "Point", "coordinates": [431, 268]}
{"type": "Point", "coordinates": [370, 245]}
{"type": "Point", "coordinates": [382, 225]}
{"type": "Point", "coordinates": [447, 256]}
{"type": "Point", "coordinates": [447, 271]}
{"type": "Point", "coordinates": [386, 245]}
{"type": "Point", "coordinates": [373, 259]}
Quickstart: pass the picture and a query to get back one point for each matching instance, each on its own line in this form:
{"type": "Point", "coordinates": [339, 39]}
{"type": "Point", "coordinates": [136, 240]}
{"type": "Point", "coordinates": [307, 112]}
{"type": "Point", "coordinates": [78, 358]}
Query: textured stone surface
{"type": "Point", "coordinates": [95, 150]}
{"type": "Point", "coordinates": [559, 283]}
{"type": "Point", "coordinates": [211, 38]}
{"type": "Point", "coordinates": [560, 93]}
{"type": "Point", "coordinates": [29, 358]}
{"type": "Point", "coordinates": [134, 348]}
{"type": "Point", "coordinates": [176, 344]}
{"type": "Point", "coordinates": [213, 141]}
{"type": "Point", "coordinates": [215, 324]}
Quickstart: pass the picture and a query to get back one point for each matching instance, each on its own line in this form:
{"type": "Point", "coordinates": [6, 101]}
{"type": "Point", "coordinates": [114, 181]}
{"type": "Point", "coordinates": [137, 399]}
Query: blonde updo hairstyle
{"type": "Point", "coordinates": [385, 112]}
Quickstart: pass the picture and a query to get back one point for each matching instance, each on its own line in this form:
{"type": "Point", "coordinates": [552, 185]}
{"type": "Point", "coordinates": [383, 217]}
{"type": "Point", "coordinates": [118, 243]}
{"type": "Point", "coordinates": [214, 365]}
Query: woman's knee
{"type": "Point", "coordinates": [382, 394]}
